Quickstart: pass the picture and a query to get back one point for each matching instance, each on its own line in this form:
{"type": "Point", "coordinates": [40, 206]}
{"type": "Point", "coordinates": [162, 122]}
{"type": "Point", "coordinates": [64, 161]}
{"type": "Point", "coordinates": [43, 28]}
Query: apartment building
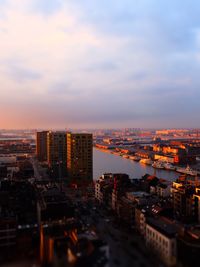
{"type": "Point", "coordinates": [80, 157]}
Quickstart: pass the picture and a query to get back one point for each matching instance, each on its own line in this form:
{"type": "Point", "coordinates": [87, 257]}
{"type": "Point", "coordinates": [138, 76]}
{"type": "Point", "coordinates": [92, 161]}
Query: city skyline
{"type": "Point", "coordinates": [99, 64]}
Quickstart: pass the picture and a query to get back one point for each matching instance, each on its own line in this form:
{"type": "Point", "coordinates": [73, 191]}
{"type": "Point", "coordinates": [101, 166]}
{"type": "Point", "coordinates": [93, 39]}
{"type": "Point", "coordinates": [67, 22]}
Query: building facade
{"type": "Point", "coordinates": [57, 153]}
{"type": "Point", "coordinates": [80, 157]}
{"type": "Point", "coordinates": [161, 237]}
{"type": "Point", "coordinates": [183, 202]}
{"type": "Point", "coordinates": [41, 145]}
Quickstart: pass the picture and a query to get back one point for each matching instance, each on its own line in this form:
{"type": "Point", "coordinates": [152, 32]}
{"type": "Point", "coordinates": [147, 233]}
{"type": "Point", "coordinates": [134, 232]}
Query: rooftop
{"type": "Point", "coordinates": [138, 194]}
{"type": "Point", "coordinates": [162, 226]}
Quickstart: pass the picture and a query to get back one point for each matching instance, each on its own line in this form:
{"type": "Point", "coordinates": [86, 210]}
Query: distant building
{"type": "Point", "coordinates": [177, 154]}
{"type": "Point", "coordinates": [80, 157]}
{"type": "Point", "coordinates": [41, 145]}
{"type": "Point", "coordinates": [57, 153]}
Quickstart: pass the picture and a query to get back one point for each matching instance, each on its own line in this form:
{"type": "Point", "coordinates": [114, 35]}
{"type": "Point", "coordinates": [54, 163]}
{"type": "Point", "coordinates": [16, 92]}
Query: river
{"type": "Point", "coordinates": [107, 162]}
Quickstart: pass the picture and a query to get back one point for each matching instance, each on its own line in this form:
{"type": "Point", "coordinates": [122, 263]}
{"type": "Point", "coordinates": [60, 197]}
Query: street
{"type": "Point", "coordinates": [39, 172]}
{"type": "Point", "coordinates": [126, 249]}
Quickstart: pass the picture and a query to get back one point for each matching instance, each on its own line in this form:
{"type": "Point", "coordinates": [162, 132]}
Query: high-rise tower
{"type": "Point", "coordinates": [80, 157]}
{"type": "Point", "coordinates": [57, 153]}
{"type": "Point", "coordinates": [41, 145]}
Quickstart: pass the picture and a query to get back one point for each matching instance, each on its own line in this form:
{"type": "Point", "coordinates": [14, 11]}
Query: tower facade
{"type": "Point", "coordinates": [80, 157]}
{"type": "Point", "coordinates": [57, 153]}
{"type": "Point", "coordinates": [41, 145]}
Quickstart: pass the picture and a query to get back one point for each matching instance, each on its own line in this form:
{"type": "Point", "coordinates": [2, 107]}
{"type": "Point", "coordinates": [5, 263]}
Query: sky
{"type": "Point", "coordinates": [99, 63]}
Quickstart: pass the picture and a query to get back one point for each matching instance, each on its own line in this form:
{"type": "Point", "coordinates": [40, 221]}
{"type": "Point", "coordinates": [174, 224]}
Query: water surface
{"type": "Point", "coordinates": [107, 162]}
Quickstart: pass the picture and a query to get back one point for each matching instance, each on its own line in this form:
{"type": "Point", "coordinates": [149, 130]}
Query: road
{"type": "Point", "coordinates": [126, 249]}
{"type": "Point", "coordinates": [36, 168]}
{"type": "Point", "coordinates": [39, 172]}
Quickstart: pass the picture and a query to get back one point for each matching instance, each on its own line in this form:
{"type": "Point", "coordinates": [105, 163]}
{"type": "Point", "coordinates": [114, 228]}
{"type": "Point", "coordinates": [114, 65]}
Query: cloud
{"type": "Point", "coordinates": [102, 66]}
{"type": "Point", "coordinates": [63, 89]}
{"type": "Point", "coordinates": [22, 74]}
{"type": "Point", "coordinates": [99, 63]}
{"type": "Point", "coordinates": [46, 7]}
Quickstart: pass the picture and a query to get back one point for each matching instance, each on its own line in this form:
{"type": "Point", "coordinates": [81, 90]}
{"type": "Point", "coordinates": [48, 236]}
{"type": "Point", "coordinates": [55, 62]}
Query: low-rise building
{"type": "Point", "coordinates": [63, 244]}
{"type": "Point", "coordinates": [142, 212]}
{"type": "Point", "coordinates": [8, 232]}
{"type": "Point", "coordinates": [126, 210]}
{"type": "Point", "coordinates": [183, 202]}
{"type": "Point", "coordinates": [116, 196]}
{"type": "Point", "coordinates": [147, 181]}
{"type": "Point", "coordinates": [138, 197]}
{"type": "Point", "coordinates": [103, 189]}
{"type": "Point", "coordinates": [188, 246]}
{"type": "Point", "coordinates": [52, 205]}
{"type": "Point", "coordinates": [196, 198]}
{"type": "Point", "coordinates": [163, 189]}
{"type": "Point", "coordinates": [122, 184]}
{"type": "Point", "coordinates": [140, 220]}
{"type": "Point", "coordinates": [161, 237]}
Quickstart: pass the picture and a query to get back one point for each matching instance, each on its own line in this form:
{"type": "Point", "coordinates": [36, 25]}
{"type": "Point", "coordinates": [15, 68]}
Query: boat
{"type": "Point", "coordinates": [135, 158]}
{"type": "Point", "coordinates": [187, 170]}
{"type": "Point", "coordinates": [125, 156]}
{"type": "Point", "coordinates": [169, 166]}
{"type": "Point", "coordinates": [158, 165]}
{"type": "Point", "coordinates": [146, 161]}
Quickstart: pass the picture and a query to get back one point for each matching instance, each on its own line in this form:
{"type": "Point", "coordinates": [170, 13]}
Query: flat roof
{"type": "Point", "coordinates": [162, 226]}
{"type": "Point", "coordinates": [138, 194]}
